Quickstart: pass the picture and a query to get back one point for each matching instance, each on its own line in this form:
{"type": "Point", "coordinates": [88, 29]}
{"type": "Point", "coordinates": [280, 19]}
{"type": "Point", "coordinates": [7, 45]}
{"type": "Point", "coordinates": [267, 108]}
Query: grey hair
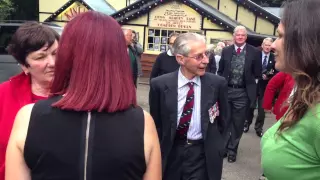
{"type": "Point", "coordinates": [218, 50]}
{"type": "Point", "coordinates": [267, 39]}
{"type": "Point", "coordinates": [181, 44]}
{"type": "Point", "coordinates": [126, 29]}
{"type": "Point", "coordinates": [238, 28]}
{"type": "Point", "coordinates": [221, 44]}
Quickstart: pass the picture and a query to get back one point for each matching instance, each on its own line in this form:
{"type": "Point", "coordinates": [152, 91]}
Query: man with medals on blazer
{"type": "Point", "coordinates": [240, 65]}
{"type": "Point", "coordinates": [189, 107]}
{"type": "Point", "coordinates": [268, 71]}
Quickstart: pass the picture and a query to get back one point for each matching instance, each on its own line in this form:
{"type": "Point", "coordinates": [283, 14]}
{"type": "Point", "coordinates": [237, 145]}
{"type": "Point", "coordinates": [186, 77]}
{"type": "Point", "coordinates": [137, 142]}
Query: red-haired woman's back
{"type": "Point", "coordinates": [91, 127]}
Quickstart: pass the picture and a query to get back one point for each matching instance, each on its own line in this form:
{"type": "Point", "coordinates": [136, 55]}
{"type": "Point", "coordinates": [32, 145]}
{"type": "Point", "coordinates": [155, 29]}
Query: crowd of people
{"type": "Point", "coordinates": [72, 113]}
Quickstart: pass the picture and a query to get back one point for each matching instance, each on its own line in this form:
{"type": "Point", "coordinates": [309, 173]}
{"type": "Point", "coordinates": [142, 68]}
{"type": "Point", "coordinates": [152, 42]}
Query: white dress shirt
{"type": "Point", "coordinates": [169, 53]}
{"type": "Point", "coordinates": [194, 132]}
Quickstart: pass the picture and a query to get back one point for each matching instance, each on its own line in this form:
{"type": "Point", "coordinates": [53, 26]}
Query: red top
{"type": "Point", "coordinates": [283, 83]}
{"type": "Point", "coordinates": [14, 94]}
{"type": "Point", "coordinates": [36, 98]}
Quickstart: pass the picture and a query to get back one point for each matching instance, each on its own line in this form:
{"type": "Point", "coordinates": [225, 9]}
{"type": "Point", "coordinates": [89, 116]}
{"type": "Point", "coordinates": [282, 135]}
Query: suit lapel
{"type": "Point", "coordinates": [247, 59]}
{"type": "Point", "coordinates": [207, 96]}
{"type": "Point", "coordinates": [171, 100]}
{"type": "Point", "coordinates": [270, 61]}
{"type": "Point", "coordinates": [229, 55]}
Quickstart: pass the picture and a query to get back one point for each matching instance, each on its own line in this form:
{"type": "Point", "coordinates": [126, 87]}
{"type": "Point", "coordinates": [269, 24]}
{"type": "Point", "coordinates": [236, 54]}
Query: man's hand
{"type": "Point", "coordinates": [264, 77]}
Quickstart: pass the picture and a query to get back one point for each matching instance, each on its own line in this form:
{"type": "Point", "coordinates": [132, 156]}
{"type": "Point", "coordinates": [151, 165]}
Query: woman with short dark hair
{"type": "Point", "coordinates": [34, 46]}
{"type": "Point", "coordinates": [91, 128]}
{"type": "Point", "coordinates": [291, 148]}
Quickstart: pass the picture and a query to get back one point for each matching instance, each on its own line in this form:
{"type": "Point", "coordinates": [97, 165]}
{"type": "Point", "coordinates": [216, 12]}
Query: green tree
{"type": "Point", "coordinates": [25, 10]}
{"type": "Point", "coordinates": [6, 8]}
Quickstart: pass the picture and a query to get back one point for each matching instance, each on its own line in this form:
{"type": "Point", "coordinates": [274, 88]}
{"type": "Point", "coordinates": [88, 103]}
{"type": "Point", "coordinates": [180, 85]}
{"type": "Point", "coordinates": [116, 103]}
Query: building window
{"type": "Point", "coordinates": [158, 38]}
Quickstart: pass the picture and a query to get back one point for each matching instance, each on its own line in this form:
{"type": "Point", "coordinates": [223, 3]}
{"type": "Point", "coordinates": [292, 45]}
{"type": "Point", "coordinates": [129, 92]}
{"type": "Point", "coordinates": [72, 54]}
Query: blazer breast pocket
{"type": "Point", "coordinates": [213, 111]}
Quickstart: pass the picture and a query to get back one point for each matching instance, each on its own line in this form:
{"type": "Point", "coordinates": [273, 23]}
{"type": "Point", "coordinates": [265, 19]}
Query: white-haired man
{"type": "Point", "coordinates": [189, 107]}
{"type": "Point", "coordinates": [240, 65]}
{"type": "Point", "coordinates": [133, 55]}
{"type": "Point", "coordinates": [268, 71]}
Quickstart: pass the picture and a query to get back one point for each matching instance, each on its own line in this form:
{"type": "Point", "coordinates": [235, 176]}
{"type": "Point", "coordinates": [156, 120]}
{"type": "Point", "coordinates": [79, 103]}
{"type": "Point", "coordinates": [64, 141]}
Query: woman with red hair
{"type": "Point", "coordinates": [282, 83]}
{"type": "Point", "coordinates": [91, 128]}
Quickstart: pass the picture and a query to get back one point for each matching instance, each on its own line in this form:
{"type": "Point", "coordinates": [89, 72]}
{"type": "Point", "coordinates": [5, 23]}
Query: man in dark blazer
{"type": "Point", "coordinates": [189, 107]}
{"type": "Point", "coordinates": [166, 61]}
{"type": "Point", "coordinates": [268, 71]}
{"type": "Point", "coordinates": [240, 65]}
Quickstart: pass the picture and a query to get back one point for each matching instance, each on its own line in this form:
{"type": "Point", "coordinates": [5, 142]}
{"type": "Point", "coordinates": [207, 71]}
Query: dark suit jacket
{"type": "Point", "coordinates": [163, 103]}
{"type": "Point", "coordinates": [212, 67]}
{"type": "Point", "coordinates": [270, 67]}
{"type": "Point", "coordinates": [252, 68]}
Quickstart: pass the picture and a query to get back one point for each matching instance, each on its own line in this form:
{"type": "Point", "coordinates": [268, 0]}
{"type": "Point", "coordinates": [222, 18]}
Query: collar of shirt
{"type": "Point", "coordinates": [182, 80]}
{"type": "Point", "coordinates": [236, 47]}
{"type": "Point", "coordinates": [169, 53]}
{"type": "Point", "coordinates": [264, 54]}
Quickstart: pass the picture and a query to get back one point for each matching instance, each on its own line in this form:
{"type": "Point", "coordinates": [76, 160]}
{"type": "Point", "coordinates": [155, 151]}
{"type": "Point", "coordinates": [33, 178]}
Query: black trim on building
{"type": "Point", "coordinates": [237, 11]}
{"type": "Point", "coordinates": [136, 24]}
{"type": "Point", "coordinates": [202, 21]}
{"type": "Point", "coordinates": [148, 18]}
{"type": "Point", "coordinates": [60, 21]}
{"type": "Point", "coordinates": [45, 13]}
{"type": "Point", "coordinates": [275, 30]}
{"type": "Point", "coordinates": [144, 37]}
{"type": "Point", "coordinates": [219, 30]}
{"type": "Point", "coordinates": [255, 23]}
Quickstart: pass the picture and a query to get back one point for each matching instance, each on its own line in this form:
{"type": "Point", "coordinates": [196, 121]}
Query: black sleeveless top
{"type": "Point", "coordinates": [70, 145]}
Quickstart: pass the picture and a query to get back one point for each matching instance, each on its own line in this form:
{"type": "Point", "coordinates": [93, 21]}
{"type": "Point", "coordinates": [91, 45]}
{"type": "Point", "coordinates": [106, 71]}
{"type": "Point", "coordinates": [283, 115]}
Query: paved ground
{"type": "Point", "coordinates": [247, 166]}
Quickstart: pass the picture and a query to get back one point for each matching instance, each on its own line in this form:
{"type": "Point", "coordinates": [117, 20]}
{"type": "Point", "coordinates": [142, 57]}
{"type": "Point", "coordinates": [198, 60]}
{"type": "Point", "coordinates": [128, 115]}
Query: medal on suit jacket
{"type": "Point", "coordinates": [213, 112]}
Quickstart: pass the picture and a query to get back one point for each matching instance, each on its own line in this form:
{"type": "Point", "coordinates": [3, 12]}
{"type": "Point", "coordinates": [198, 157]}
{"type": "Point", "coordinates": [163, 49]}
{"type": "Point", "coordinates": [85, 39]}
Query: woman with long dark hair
{"type": "Point", "coordinates": [291, 148]}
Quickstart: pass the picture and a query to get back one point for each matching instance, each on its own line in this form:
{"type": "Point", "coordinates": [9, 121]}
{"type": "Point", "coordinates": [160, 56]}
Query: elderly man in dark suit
{"type": "Point", "coordinates": [240, 65]}
{"type": "Point", "coordinates": [189, 107]}
{"type": "Point", "coordinates": [268, 71]}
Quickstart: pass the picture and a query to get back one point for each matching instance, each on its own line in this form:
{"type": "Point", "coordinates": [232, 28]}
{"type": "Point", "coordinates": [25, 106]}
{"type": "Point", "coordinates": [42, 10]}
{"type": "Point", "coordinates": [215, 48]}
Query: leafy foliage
{"type": "Point", "coordinates": [6, 8]}
{"type": "Point", "coordinates": [25, 10]}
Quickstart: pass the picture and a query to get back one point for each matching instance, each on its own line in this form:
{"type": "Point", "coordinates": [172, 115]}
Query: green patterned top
{"type": "Point", "coordinates": [295, 153]}
{"type": "Point", "coordinates": [237, 68]}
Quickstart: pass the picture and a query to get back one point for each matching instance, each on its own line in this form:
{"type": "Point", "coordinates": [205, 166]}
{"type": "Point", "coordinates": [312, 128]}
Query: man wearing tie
{"type": "Point", "coordinates": [268, 71]}
{"type": "Point", "coordinates": [189, 107]}
{"type": "Point", "coordinates": [240, 65]}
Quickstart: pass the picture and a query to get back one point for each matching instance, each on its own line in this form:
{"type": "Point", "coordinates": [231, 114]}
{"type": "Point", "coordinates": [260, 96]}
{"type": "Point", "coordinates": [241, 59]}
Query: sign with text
{"type": "Point", "coordinates": [72, 11]}
{"type": "Point", "coordinates": [175, 15]}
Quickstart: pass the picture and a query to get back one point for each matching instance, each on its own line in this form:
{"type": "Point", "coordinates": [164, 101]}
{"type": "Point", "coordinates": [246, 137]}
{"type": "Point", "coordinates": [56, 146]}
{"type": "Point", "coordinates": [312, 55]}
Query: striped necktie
{"type": "Point", "coordinates": [264, 64]}
{"type": "Point", "coordinates": [186, 115]}
{"type": "Point", "coordinates": [238, 51]}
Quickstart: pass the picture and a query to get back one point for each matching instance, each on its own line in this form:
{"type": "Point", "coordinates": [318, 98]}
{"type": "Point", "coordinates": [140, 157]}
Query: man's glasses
{"type": "Point", "coordinates": [201, 56]}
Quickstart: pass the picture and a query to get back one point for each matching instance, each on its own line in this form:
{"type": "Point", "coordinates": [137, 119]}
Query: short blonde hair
{"type": "Point", "coordinates": [238, 28]}
{"type": "Point", "coordinates": [267, 39]}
